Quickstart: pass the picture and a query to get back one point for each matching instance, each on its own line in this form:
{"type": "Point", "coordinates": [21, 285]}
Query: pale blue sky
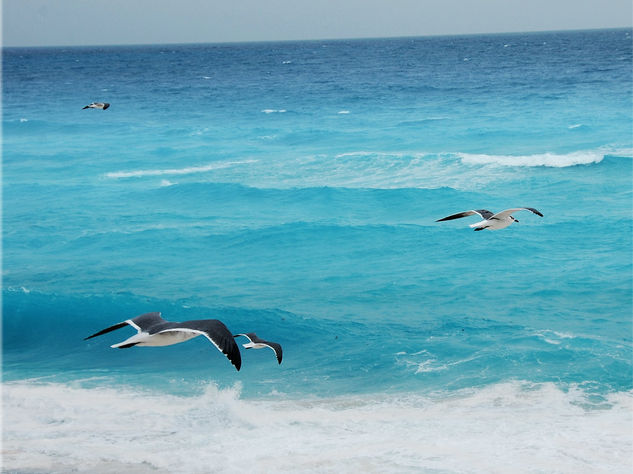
{"type": "Point", "coordinates": [90, 22]}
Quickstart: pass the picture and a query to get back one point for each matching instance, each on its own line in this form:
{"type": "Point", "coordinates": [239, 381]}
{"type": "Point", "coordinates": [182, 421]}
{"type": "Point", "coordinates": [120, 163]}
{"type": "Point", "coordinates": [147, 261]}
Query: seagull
{"type": "Point", "coordinates": [97, 105]}
{"type": "Point", "coordinates": [491, 221]}
{"type": "Point", "coordinates": [257, 343]}
{"type": "Point", "coordinates": [155, 331]}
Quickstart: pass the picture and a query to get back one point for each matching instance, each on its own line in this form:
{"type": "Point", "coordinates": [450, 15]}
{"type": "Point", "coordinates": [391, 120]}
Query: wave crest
{"type": "Point", "coordinates": [175, 171]}
{"type": "Point", "coordinates": [552, 160]}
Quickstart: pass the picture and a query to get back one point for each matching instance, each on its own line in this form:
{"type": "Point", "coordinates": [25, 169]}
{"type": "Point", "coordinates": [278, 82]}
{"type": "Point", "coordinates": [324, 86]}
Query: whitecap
{"type": "Point", "coordinates": [175, 171]}
{"type": "Point", "coordinates": [429, 366]}
{"type": "Point", "coordinates": [553, 337]}
{"type": "Point", "coordinates": [553, 160]}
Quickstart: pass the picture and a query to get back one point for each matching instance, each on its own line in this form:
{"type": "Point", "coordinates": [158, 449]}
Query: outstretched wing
{"type": "Point", "coordinates": [140, 323]}
{"type": "Point", "coordinates": [106, 330]}
{"type": "Point", "coordinates": [251, 336]}
{"type": "Point", "coordinates": [485, 214]}
{"type": "Point", "coordinates": [217, 333]}
{"type": "Point", "coordinates": [507, 212]}
{"type": "Point", "coordinates": [276, 348]}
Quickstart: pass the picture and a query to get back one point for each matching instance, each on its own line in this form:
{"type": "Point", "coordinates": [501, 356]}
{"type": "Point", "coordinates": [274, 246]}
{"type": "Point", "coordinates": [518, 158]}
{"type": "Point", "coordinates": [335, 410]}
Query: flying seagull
{"type": "Point", "coordinates": [257, 343]}
{"type": "Point", "coordinates": [97, 105]}
{"type": "Point", "coordinates": [491, 221]}
{"type": "Point", "coordinates": [155, 331]}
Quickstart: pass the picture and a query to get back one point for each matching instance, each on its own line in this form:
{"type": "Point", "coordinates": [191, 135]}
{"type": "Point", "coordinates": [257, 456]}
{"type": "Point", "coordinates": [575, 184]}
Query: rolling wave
{"type": "Point", "coordinates": [175, 171]}
{"type": "Point", "coordinates": [369, 169]}
{"type": "Point", "coordinates": [542, 159]}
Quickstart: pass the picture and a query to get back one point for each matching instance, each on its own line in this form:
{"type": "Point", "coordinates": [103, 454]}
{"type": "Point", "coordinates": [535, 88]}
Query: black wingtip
{"type": "Point", "coordinates": [106, 330]}
{"type": "Point", "coordinates": [235, 359]}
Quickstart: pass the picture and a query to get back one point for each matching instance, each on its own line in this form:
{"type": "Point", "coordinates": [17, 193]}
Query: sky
{"type": "Point", "coordinates": [105, 22]}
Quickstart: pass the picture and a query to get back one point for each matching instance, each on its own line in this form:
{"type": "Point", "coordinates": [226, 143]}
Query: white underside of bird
{"type": "Point", "coordinates": [164, 338]}
{"type": "Point", "coordinates": [491, 221]}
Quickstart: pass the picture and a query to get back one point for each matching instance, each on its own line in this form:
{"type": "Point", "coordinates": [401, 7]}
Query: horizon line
{"type": "Point", "coordinates": [351, 38]}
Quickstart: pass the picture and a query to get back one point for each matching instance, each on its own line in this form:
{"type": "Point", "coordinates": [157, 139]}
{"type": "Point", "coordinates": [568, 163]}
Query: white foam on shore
{"type": "Point", "coordinates": [509, 427]}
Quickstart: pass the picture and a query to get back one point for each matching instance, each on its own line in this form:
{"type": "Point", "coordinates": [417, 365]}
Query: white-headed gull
{"type": "Point", "coordinates": [155, 331]}
{"type": "Point", "coordinates": [257, 343]}
{"type": "Point", "coordinates": [491, 221]}
{"type": "Point", "coordinates": [97, 105]}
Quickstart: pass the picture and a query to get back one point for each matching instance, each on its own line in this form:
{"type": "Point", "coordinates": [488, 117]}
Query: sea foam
{"type": "Point", "coordinates": [508, 427]}
{"type": "Point", "coordinates": [174, 171]}
{"type": "Point", "coordinates": [542, 159]}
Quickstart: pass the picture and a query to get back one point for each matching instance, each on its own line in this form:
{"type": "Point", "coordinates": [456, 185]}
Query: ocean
{"type": "Point", "coordinates": [292, 189]}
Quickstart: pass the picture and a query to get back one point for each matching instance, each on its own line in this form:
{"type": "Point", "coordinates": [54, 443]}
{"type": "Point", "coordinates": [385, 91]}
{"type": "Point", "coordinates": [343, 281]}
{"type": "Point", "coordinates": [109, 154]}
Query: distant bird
{"type": "Point", "coordinates": [155, 331]}
{"type": "Point", "coordinates": [257, 343]}
{"type": "Point", "coordinates": [97, 105]}
{"type": "Point", "coordinates": [491, 221]}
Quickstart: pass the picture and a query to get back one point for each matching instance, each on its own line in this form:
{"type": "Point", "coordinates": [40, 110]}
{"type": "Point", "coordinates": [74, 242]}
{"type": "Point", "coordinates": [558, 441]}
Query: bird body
{"type": "Point", "coordinates": [491, 221]}
{"type": "Point", "coordinates": [97, 105]}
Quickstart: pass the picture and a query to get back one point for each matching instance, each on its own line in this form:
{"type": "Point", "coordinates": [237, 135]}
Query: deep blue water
{"type": "Point", "coordinates": [292, 189]}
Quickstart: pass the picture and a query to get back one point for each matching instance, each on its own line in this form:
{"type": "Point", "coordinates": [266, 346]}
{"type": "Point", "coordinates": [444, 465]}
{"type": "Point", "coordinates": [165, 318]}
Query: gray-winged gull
{"type": "Point", "coordinates": [155, 331]}
{"type": "Point", "coordinates": [257, 343]}
{"type": "Point", "coordinates": [97, 105]}
{"type": "Point", "coordinates": [491, 221]}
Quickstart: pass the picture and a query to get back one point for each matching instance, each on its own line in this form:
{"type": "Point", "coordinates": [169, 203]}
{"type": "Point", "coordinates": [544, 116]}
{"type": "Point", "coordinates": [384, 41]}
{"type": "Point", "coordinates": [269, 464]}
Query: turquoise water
{"type": "Point", "coordinates": [292, 189]}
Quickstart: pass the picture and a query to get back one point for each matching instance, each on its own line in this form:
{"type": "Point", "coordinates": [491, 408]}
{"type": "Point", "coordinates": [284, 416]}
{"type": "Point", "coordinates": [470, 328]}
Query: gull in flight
{"type": "Point", "coordinates": [155, 331]}
{"type": "Point", "coordinates": [97, 105]}
{"type": "Point", "coordinates": [491, 221]}
{"type": "Point", "coordinates": [255, 342]}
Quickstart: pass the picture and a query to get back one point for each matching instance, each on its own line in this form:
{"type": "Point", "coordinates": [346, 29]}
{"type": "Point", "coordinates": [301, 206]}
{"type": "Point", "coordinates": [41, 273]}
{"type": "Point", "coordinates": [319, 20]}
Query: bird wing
{"type": "Point", "coordinates": [216, 332]}
{"type": "Point", "coordinates": [146, 321]}
{"type": "Point", "coordinates": [251, 336]}
{"type": "Point", "coordinates": [485, 214]}
{"type": "Point", "coordinates": [276, 347]}
{"type": "Point", "coordinates": [140, 323]}
{"type": "Point", "coordinates": [507, 212]}
{"type": "Point", "coordinates": [111, 328]}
